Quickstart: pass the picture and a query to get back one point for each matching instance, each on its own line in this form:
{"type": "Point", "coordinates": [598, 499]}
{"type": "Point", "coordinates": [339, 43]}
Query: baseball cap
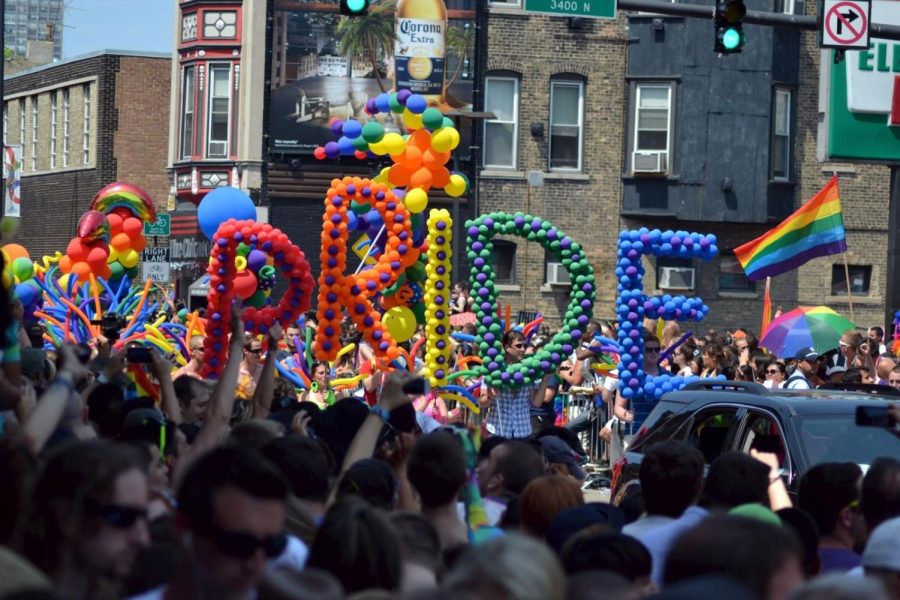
{"type": "Point", "coordinates": [883, 548]}
{"type": "Point", "coordinates": [832, 369]}
{"type": "Point", "coordinates": [754, 510]}
{"type": "Point", "coordinates": [559, 452]}
{"type": "Point", "coordinates": [806, 354]}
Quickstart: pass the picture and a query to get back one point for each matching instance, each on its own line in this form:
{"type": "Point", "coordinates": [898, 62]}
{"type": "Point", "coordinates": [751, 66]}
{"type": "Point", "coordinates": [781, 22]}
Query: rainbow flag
{"type": "Point", "coordinates": [815, 229]}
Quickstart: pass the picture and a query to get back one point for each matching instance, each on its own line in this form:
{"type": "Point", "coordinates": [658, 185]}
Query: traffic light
{"type": "Point", "coordinates": [354, 8]}
{"type": "Point", "coordinates": [729, 26]}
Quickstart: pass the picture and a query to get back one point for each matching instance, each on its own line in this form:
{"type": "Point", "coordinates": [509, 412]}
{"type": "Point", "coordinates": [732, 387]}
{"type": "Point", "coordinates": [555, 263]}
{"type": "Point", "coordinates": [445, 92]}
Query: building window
{"type": "Point", "coordinates": [502, 133]}
{"type": "Point", "coordinates": [219, 109]}
{"type": "Point", "coordinates": [22, 123]}
{"type": "Point", "coordinates": [652, 128]}
{"type": "Point", "coordinates": [675, 273]}
{"type": "Point", "coordinates": [784, 6]}
{"type": "Point", "coordinates": [189, 27]}
{"type": "Point", "coordinates": [860, 278]}
{"type": "Point", "coordinates": [187, 112]}
{"type": "Point", "coordinates": [86, 130]}
{"type": "Point", "coordinates": [34, 132]}
{"type": "Point", "coordinates": [566, 110]}
{"type": "Point", "coordinates": [781, 134]}
{"type": "Point", "coordinates": [65, 118]}
{"type": "Point", "coordinates": [220, 24]}
{"type": "Point", "coordinates": [731, 275]}
{"type": "Point", "coordinates": [504, 261]}
{"type": "Point", "coordinates": [54, 109]}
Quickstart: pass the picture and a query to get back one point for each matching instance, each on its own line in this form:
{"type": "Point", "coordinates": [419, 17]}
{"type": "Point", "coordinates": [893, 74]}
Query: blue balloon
{"type": "Point", "coordinates": [222, 204]}
{"type": "Point", "coordinates": [345, 145]}
{"type": "Point", "coordinates": [383, 102]}
{"type": "Point", "coordinates": [352, 129]}
{"type": "Point", "coordinates": [416, 104]}
{"type": "Point", "coordinates": [26, 294]}
{"type": "Point", "coordinates": [373, 217]}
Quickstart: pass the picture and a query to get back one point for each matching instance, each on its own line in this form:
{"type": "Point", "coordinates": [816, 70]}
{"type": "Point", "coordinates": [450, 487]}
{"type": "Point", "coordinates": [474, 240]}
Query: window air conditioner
{"type": "Point", "coordinates": [676, 278]}
{"type": "Point", "coordinates": [557, 274]}
{"type": "Point", "coordinates": [648, 162]}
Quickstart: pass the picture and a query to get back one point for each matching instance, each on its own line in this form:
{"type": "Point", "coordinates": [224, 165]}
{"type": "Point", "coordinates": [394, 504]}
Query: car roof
{"type": "Point", "coordinates": [794, 402]}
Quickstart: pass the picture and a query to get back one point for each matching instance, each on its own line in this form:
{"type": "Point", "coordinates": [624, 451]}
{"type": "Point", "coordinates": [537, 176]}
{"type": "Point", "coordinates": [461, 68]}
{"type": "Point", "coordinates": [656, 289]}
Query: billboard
{"type": "Point", "coordinates": [326, 66]}
{"type": "Point", "coordinates": [12, 180]}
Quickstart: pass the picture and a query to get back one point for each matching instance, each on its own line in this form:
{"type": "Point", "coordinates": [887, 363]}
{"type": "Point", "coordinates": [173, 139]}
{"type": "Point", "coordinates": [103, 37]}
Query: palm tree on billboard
{"type": "Point", "coordinates": [459, 40]}
{"type": "Point", "coordinates": [371, 34]}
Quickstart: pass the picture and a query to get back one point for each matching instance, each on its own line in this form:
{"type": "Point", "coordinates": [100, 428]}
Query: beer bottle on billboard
{"type": "Point", "coordinates": [420, 49]}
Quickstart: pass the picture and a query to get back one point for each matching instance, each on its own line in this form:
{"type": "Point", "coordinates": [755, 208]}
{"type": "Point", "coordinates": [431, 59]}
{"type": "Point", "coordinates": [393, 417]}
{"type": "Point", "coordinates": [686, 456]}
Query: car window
{"type": "Point", "coordinates": [830, 438]}
{"type": "Point", "coordinates": [662, 424]}
{"type": "Point", "coordinates": [763, 434]}
{"type": "Point", "coordinates": [710, 429]}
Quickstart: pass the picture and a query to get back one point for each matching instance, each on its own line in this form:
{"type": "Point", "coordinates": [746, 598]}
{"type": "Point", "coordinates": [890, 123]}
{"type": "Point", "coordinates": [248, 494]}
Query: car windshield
{"type": "Point", "coordinates": [837, 438]}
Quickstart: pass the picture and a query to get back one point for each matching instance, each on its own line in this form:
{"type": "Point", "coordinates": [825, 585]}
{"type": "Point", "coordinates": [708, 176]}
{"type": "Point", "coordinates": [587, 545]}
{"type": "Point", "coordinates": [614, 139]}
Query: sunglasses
{"type": "Point", "coordinates": [245, 545]}
{"type": "Point", "coordinates": [772, 371]}
{"type": "Point", "coordinates": [121, 517]}
{"type": "Point", "coordinates": [254, 350]}
{"type": "Point", "coordinates": [517, 346]}
{"type": "Point", "coordinates": [651, 349]}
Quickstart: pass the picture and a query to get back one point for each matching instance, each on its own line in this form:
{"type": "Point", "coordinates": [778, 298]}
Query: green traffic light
{"type": "Point", "coordinates": [731, 39]}
{"type": "Point", "coordinates": [356, 5]}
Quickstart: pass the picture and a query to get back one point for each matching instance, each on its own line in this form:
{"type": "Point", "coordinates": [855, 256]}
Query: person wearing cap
{"type": "Point", "coordinates": [807, 363]}
{"type": "Point", "coordinates": [881, 558]}
{"type": "Point", "coordinates": [561, 458]}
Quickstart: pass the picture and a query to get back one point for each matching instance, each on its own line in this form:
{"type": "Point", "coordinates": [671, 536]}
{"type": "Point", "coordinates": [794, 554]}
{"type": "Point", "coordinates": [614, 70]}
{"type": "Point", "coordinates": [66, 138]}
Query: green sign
{"type": "Point", "coordinates": [162, 226]}
{"type": "Point", "coordinates": [594, 9]}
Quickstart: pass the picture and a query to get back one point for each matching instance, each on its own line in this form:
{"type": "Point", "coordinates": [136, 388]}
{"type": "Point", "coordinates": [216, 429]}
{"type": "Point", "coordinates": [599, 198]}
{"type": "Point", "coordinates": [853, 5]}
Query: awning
{"type": "Point", "coordinates": [200, 287]}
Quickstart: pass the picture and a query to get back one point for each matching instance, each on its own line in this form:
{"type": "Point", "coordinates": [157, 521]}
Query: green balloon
{"type": "Point", "coordinates": [359, 209]}
{"type": "Point", "coordinates": [395, 105]}
{"type": "Point", "coordinates": [266, 272]}
{"type": "Point", "coordinates": [243, 250]}
{"type": "Point", "coordinates": [418, 309]}
{"type": "Point", "coordinates": [117, 271]}
{"type": "Point", "coordinates": [415, 220]}
{"type": "Point", "coordinates": [361, 144]}
{"type": "Point", "coordinates": [23, 268]}
{"type": "Point", "coordinates": [257, 300]}
{"type": "Point", "coordinates": [373, 132]}
{"type": "Point", "coordinates": [416, 273]}
{"type": "Point", "coordinates": [432, 118]}
{"type": "Point", "coordinates": [447, 122]}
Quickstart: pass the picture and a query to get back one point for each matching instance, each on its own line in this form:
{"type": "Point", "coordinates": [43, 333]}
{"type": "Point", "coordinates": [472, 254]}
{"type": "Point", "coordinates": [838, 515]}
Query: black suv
{"type": "Point", "coordinates": [803, 427]}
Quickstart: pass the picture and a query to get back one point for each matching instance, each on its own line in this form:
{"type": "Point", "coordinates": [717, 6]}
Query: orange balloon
{"type": "Point", "coordinates": [441, 177]}
{"type": "Point", "coordinates": [138, 243]}
{"type": "Point", "coordinates": [421, 138]}
{"type": "Point", "coordinates": [97, 258]}
{"type": "Point", "coordinates": [399, 175]}
{"type": "Point", "coordinates": [120, 241]}
{"type": "Point", "coordinates": [422, 178]}
{"type": "Point", "coordinates": [15, 251]}
{"type": "Point", "coordinates": [412, 158]}
{"type": "Point", "coordinates": [81, 269]}
{"type": "Point", "coordinates": [65, 264]}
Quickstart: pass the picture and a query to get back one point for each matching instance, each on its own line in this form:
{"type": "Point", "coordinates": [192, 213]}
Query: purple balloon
{"type": "Point", "coordinates": [256, 260]}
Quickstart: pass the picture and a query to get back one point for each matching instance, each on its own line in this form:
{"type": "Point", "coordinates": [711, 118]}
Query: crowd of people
{"type": "Point", "coordinates": [126, 477]}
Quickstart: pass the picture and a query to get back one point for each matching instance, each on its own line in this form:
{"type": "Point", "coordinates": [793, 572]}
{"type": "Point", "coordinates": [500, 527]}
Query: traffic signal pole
{"type": "Point", "coordinates": [755, 17]}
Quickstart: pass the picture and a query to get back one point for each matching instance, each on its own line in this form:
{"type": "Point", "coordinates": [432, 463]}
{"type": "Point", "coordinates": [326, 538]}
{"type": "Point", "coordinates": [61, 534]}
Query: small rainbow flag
{"type": "Point", "coordinates": [815, 229]}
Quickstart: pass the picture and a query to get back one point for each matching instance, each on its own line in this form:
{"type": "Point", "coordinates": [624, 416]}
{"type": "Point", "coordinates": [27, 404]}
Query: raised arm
{"type": "Point", "coordinates": [162, 369]}
{"type": "Point", "coordinates": [265, 388]}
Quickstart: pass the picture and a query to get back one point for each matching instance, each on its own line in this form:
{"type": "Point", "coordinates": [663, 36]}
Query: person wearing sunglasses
{"type": "Point", "coordinates": [251, 369]}
{"type": "Point", "coordinates": [88, 518]}
{"type": "Point", "coordinates": [775, 374]}
{"type": "Point", "coordinates": [230, 524]}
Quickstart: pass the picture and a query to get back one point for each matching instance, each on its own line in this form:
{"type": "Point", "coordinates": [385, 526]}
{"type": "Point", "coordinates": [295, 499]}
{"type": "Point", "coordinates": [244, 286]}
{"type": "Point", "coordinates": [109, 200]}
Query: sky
{"type": "Point", "coordinates": [142, 25]}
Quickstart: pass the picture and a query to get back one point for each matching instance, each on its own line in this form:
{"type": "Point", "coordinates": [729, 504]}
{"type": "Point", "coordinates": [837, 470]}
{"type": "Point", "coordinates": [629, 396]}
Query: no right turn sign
{"type": "Point", "coordinates": [845, 24]}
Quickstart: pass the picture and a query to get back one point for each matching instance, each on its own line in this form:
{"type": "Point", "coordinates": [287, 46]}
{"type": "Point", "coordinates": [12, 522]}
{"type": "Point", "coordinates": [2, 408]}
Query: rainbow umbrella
{"type": "Point", "coordinates": [818, 327]}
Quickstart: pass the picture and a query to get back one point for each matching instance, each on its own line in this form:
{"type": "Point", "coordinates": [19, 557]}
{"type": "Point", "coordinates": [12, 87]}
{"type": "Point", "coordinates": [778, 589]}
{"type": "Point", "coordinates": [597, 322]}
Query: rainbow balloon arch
{"type": "Point", "coordinates": [403, 281]}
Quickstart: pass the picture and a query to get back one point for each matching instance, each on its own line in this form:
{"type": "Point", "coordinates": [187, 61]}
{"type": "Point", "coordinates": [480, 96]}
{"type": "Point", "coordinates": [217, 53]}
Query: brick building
{"type": "Point", "coordinates": [557, 88]}
{"type": "Point", "coordinates": [84, 123]}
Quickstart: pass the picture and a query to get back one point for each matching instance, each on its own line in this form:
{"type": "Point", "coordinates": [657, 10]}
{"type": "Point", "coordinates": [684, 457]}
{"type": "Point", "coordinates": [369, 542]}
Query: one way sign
{"type": "Point", "coordinates": [845, 24]}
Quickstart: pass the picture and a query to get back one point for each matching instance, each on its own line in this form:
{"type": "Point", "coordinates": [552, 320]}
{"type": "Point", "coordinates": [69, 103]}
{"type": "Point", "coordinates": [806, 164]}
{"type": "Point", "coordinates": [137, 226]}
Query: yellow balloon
{"type": "Point", "coordinates": [416, 200]}
{"type": "Point", "coordinates": [385, 172]}
{"type": "Point", "coordinates": [441, 140]}
{"type": "Point", "coordinates": [114, 255]}
{"type": "Point", "coordinates": [7, 279]}
{"type": "Point", "coordinates": [378, 148]}
{"type": "Point", "coordinates": [6, 259]}
{"type": "Point", "coordinates": [412, 120]}
{"type": "Point", "coordinates": [454, 135]}
{"type": "Point", "coordinates": [394, 143]}
{"type": "Point", "coordinates": [456, 187]}
{"type": "Point", "coordinates": [129, 259]}
{"type": "Point", "coordinates": [63, 281]}
{"type": "Point", "coordinates": [400, 322]}
{"type": "Point", "coordinates": [240, 263]}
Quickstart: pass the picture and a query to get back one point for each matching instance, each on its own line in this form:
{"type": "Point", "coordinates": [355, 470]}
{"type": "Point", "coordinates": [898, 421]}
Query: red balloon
{"type": "Point", "coordinates": [97, 257]}
{"type": "Point", "coordinates": [245, 284]}
{"type": "Point", "coordinates": [77, 250]}
{"type": "Point", "coordinates": [132, 226]}
{"type": "Point", "coordinates": [359, 154]}
{"type": "Point", "coordinates": [319, 153]}
{"type": "Point", "coordinates": [115, 223]}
